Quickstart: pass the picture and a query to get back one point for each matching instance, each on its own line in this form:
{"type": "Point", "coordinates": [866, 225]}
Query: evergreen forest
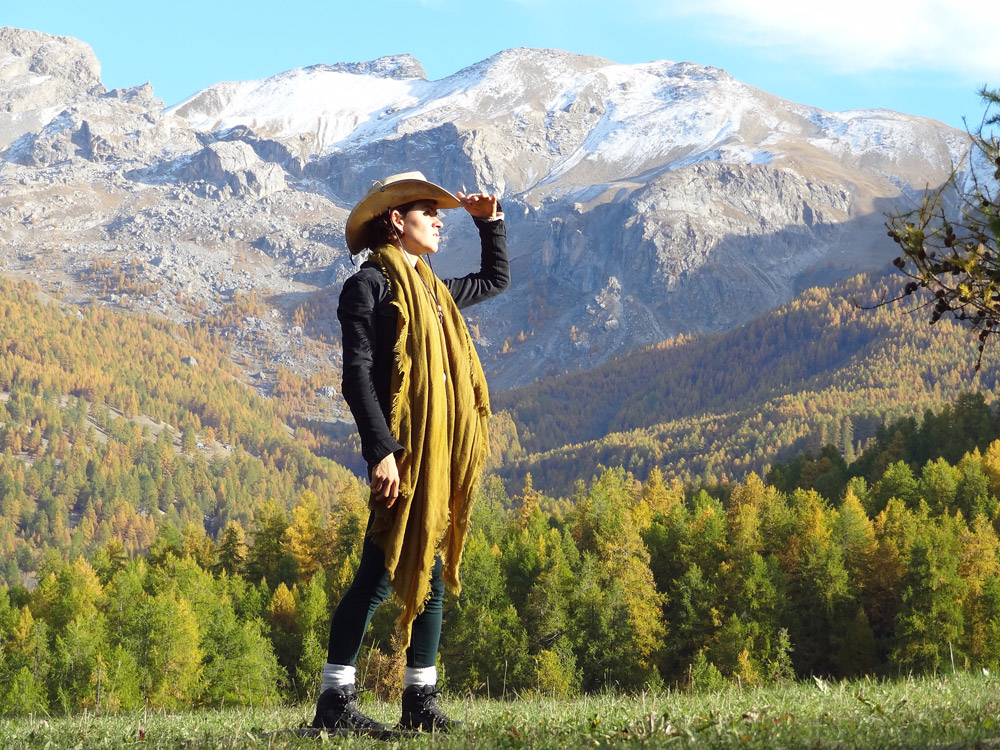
{"type": "Point", "coordinates": [831, 367]}
{"type": "Point", "coordinates": [170, 539]}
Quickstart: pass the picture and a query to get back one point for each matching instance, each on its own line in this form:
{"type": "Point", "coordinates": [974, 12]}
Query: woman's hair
{"type": "Point", "coordinates": [380, 231]}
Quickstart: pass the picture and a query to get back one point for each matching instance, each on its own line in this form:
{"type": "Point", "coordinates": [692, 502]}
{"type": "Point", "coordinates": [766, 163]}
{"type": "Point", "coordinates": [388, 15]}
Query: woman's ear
{"type": "Point", "coordinates": [396, 218]}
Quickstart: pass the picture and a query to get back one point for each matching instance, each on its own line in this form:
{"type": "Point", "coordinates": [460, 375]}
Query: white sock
{"type": "Point", "coordinates": [337, 675]}
{"type": "Point", "coordinates": [419, 676]}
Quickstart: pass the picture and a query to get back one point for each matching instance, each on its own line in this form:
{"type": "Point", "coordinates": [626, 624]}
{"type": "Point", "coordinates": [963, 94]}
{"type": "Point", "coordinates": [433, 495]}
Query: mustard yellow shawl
{"type": "Point", "coordinates": [439, 412]}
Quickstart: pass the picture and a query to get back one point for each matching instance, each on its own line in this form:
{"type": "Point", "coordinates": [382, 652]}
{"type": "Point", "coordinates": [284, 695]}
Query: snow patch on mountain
{"type": "Point", "coordinates": [328, 105]}
{"type": "Point", "coordinates": [642, 200]}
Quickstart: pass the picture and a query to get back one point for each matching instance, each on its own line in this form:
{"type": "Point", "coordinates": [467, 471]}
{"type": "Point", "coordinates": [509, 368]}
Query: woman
{"type": "Point", "coordinates": [418, 394]}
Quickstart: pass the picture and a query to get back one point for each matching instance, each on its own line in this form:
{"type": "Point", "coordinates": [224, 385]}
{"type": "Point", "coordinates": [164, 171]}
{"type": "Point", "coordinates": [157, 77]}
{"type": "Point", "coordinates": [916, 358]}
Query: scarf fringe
{"type": "Point", "coordinates": [445, 444]}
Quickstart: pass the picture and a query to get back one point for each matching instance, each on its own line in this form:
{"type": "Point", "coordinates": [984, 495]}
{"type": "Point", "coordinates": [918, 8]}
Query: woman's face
{"type": "Point", "coordinates": [418, 228]}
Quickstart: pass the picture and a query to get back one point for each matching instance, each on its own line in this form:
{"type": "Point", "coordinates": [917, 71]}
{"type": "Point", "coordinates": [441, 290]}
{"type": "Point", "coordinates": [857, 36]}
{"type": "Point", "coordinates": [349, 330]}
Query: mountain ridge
{"type": "Point", "coordinates": [643, 201]}
{"type": "Point", "coordinates": [833, 366]}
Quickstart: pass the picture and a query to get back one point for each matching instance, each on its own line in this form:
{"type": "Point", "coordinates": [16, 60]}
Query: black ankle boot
{"type": "Point", "coordinates": [337, 708]}
{"type": "Point", "coordinates": [421, 711]}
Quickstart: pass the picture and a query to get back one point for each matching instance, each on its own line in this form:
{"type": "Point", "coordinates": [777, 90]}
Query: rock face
{"type": "Point", "coordinates": [40, 74]}
{"type": "Point", "coordinates": [642, 201]}
{"type": "Point", "coordinates": [236, 170]}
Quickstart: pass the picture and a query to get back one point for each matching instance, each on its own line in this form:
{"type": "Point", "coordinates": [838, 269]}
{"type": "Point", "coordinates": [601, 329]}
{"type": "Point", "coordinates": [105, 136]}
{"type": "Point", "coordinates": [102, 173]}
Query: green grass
{"type": "Point", "coordinates": [957, 711]}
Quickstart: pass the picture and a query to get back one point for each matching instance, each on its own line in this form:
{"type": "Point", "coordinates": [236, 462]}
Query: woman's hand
{"type": "Point", "coordinates": [385, 480]}
{"type": "Point", "coordinates": [479, 205]}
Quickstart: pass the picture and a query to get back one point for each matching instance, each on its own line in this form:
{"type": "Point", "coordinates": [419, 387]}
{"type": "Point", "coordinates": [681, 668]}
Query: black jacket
{"type": "Point", "coordinates": [368, 322]}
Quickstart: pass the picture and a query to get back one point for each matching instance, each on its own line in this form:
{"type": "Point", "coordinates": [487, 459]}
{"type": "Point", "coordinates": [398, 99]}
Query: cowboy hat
{"type": "Point", "coordinates": [388, 193]}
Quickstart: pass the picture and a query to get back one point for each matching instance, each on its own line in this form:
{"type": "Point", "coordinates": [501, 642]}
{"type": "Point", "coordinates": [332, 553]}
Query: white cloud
{"type": "Point", "coordinates": [854, 36]}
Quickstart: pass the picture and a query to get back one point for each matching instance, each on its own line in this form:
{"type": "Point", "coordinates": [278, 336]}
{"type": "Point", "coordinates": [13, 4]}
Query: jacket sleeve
{"type": "Point", "coordinates": [357, 314]}
{"type": "Point", "coordinates": [494, 269]}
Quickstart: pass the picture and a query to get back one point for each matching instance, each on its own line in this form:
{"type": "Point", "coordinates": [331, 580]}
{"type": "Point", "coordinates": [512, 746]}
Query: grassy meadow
{"type": "Point", "coordinates": [954, 711]}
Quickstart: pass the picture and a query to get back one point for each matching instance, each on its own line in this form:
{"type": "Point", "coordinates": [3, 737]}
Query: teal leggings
{"type": "Point", "coordinates": [368, 590]}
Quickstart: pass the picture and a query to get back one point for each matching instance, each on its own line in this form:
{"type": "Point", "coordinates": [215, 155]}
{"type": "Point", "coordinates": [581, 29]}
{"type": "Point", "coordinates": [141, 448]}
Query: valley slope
{"type": "Point", "coordinates": [830, 367]}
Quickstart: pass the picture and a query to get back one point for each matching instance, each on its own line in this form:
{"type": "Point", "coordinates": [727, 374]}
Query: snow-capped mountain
{"type": "Point", "coordinates": [642, 200]}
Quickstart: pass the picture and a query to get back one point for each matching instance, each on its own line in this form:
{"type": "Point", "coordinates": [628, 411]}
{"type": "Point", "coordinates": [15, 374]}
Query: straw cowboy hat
{"type": "Point", "coordinates": [388, 193]}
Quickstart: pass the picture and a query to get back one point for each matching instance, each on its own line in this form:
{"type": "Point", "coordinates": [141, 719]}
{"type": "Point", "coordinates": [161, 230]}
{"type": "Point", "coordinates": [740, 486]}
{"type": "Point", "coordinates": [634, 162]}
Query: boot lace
{"type": "Point", "coordinates": [432, 711]}
{"type": "Point", "coordinates": [352, 715]}
{"type": "Point", "coordinates": [342, 712]}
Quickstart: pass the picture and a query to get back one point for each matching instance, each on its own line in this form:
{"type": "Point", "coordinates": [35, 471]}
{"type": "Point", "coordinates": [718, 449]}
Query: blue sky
{"type": "Point", "coordinates": [924, 57]}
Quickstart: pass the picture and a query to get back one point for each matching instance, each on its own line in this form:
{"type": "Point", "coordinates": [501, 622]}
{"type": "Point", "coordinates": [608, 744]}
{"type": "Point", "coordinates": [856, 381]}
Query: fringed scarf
{"type": "Point", "coordinates": [439, 412]}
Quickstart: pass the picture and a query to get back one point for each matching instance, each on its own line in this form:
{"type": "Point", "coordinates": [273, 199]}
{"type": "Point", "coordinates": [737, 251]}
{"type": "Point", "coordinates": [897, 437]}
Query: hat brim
{"type": "Point", "coordinates": [388, 196]}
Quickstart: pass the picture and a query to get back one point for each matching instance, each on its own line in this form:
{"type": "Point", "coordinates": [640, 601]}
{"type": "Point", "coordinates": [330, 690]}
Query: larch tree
{"type": "Point", "coordinates": [305, 538]}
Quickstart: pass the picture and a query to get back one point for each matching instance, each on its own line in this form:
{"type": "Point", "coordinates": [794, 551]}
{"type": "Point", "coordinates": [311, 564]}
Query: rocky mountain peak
{"type": "Point", "coordinates": [399, 67]}
{"type": "Point", "coordinates": [642, 200]}
{"type": "Point", "coordinates": [40, 73]}
{"type": "Point", "coordinates": [29, 55]}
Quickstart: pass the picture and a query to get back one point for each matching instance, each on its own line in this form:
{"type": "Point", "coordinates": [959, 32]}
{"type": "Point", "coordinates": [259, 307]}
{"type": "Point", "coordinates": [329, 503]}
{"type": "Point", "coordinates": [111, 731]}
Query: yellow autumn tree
{"type": "Point", "coordinates": [305, 538]}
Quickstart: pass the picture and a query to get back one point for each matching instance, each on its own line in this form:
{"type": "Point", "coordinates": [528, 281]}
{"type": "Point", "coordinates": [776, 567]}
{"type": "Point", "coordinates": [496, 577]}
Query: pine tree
{"type": "Point", "coordinates": [985, 639]}
{"type": "Point", "coordinates": [972, 495]}
{"type": "Point", "coordinates": [25, 668]}
{"type": "Point", "coordinates": [282, 613]}
{"type": "Point", "coordinates": [897, 482]}
{"type": "Point", "coordinates": [622, 644]}
{"type": "Point", "coordinates": [547, 619]}
{"type": "Point", "coordinates": [847, 440]}
{"type": "Point", "coordinates": [78, 658]}
{"type": "Point", "coordinates": [239, 663]}
{"type": "Point", "coordinates": [854, 534]}
{"type": "Point", "coordinates": [896, 528]}
{"type": "Point", "coordinates": [930, 622]}
{"type": "Point", "coordinates": [158, 637]}
{"type": "Point", "coordinates": [198, 546]}
{"type": "Point", "coordinates": [484, 645]}
{"type": "Point", "coordinates": [980, 570]}
{"type": "Point", "coordinates": [938, 485]}
{"type": "Point", "coordinates": [231, 553]}
{"type": "Point", "coordinates": [267, 558]}
{"type": "Point", "coordinates": [189, 439]}
{"type": "Point", "coordinates": [658, 497]}
{"type": "Point", "coordinates": [313, 625]}
{"type": "Point", "coordinates": [818, 588]}
{"type": "Point", "coordinates": [694, 612]}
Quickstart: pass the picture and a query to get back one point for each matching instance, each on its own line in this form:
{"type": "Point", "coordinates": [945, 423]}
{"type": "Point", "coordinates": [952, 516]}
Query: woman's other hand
{"type": "Point", "coordinates": [385, 480]}
{"type": "Point", "coordinates": [479, 205]}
